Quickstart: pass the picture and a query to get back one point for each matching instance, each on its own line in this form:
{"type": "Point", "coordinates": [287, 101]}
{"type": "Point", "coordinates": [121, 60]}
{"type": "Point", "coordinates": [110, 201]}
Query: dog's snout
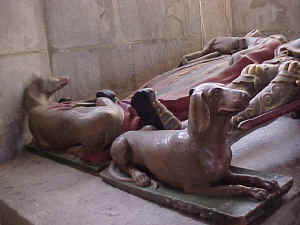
{"type": "Point", "coordinates": [240, 98]}
{"type": "Point", "coordinates": [240, 95]}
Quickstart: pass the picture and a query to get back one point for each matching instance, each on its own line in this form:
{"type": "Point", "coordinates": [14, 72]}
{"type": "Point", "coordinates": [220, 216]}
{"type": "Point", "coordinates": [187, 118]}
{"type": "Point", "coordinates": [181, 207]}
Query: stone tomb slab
{"type": "Point", "coordinates": [222, 211]}
{"type": "Point", "coordinates": [67, 159]}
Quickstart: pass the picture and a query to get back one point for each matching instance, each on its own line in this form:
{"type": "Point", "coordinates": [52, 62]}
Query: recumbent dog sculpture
{"type": "Point", "coordinates": [194, 159]}
{"type": "Point", "coordinates": [59, 126]}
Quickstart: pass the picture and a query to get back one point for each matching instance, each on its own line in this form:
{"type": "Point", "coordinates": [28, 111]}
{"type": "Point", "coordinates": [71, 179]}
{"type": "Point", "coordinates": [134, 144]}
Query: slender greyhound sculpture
{"type": "Point", "coordinates": [59, 126]}
{"type": "Point", "coordinates": [194, 159]}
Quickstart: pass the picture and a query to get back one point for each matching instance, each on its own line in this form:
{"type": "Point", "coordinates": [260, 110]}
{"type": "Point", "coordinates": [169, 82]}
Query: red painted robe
{"type": "Point", "coordinates": [173, 87]}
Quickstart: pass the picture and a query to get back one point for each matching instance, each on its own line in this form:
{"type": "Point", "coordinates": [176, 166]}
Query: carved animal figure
{"type": "Point", "coordinates": [58, 126]}
{"type": "Point", "coordinates": [238, 47]}
{"type": "Point", "coordinates": [194, 159]}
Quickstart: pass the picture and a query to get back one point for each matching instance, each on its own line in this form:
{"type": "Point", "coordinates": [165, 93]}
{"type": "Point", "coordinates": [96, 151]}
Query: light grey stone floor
{"type": "Point", "coordinates": [35, 190]}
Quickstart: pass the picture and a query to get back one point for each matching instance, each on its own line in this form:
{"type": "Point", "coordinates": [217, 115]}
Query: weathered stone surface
{"type": "Point", "coordinates": [193, 19]}
{"type": "Point", "coordinates": [135, 17]}
{"type": "Point", "coordinates": [21, 26]}
{"type": "Point", "coordinates": [79, 23]}
{"type": "Point", "coordinates": [282, 155]}
{"type": "Point", "coordinates": [218, 210]}
{"type": "Point", "coordinates": [15, 71]}
{"type": "Point", "coordinates": [271, 16]}
{"type": "Point", "coordinates": [182, 19]}
{"type": "Point", "coordinates": [94, 69]}
{"type": "Point", "coordinates": [170, 19]}
{"type": "Point", "coordinates": [149, 60]}
{"type": "Point", "coordinates": [293, 28]}
{"type": "Point", "coordinates": [121, 68]}
{"type": "Point", "coordinates": [174, 53]}
{"type": "Point", "coordinates": [216, 18]}
{"type": "Point", "coordinates": [176, 49]}
{"type": "Point", "coordinates": [46, 193]}
{"type": "Point", "coordinates": [117, 69]}
{"type": "Point", "coordinates": [82, 66]}
{"type": "Point", "coordinates": [192, 45]}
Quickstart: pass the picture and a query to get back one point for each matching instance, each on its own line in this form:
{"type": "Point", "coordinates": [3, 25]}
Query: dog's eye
{"type": "Point", "coordinates": [216, 93]}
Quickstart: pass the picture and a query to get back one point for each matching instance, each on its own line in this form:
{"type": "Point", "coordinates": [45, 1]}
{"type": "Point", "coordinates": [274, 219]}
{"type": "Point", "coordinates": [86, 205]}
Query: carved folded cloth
{"type": "Point", "coordinates": [173, 87]}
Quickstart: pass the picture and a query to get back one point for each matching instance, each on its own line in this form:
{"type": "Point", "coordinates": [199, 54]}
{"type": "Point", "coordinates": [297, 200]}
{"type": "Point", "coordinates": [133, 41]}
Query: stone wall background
{"type": "Point", "coordinates": [114, 44]}
{"type": "Point", "coordinates": [270, 16]}
{"type": "Point", "coordinates": [120, 44]}
{"type": "Point", "coordinates": [23, 51]}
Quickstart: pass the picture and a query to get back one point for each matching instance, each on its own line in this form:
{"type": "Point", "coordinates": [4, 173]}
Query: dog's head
{"type": "Point", "coordinates": [210, 100]}
{"type": "Point", "coordinates": [48, 85]}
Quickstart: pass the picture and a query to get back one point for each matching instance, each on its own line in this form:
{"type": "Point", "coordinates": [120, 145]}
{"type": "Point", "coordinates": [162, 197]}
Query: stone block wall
{"type": "Point", "coordinates": [120, 44]}
{"type": "Point", "coordinates": [23, 51]}
{"type": "Point", "coordinates": [270, 16]}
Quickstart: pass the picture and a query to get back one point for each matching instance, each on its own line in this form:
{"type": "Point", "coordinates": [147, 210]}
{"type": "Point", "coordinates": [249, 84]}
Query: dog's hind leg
{"type": "Point", "coordinates": [96, 150]}
{"type": "Point", "coordinates": [252, 181]}
{"type": "Point", "coordinates": [120, 153]}
{"type": "Point", "coordinates": [228, 191]}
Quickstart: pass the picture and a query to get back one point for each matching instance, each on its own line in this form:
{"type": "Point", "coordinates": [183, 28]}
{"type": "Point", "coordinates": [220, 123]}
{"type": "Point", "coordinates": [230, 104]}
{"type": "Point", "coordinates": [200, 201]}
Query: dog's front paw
{"type": "Point", "coordinates": [141, 179]}
{"type": "Point", "coordinates": [259, 194]}
{"type": "Point", "coordinates": [270, 185]}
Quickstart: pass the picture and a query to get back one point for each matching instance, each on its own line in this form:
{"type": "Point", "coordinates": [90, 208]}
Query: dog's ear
{"type": "Point", "coordinates": [191, 91]}
{"type": "Point", "coordinates": [199, 116]}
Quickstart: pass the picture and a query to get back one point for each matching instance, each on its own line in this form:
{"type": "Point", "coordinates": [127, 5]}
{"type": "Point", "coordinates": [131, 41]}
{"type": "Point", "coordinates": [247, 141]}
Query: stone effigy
{"type": "Point", "coordinates": [192, 159]}
{"type": "Point", "coordinates": [172, 88]}
{"type": "Point", "coordinates": [270, 85]}
{"type": "Point", "coordinates": [189, 169]}
{"type": "Point", "coordinates": [62, 126]}
{"type": "Point", "coordinates": [188, 159]}
{"type": "Point", "coordinates": [223, 45]}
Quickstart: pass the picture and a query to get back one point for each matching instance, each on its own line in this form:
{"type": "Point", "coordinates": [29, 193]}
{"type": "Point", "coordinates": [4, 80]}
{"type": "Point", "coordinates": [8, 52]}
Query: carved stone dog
{"type": "Point", "coordinates": [194, 159]}
{"type": "Point", "coordinates": [59, 126]}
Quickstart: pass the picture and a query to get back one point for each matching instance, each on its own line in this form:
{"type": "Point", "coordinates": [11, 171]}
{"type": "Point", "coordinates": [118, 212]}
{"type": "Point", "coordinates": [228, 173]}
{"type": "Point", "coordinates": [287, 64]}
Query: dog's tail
{"type": "Point", "coordinates": [115, 172]}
